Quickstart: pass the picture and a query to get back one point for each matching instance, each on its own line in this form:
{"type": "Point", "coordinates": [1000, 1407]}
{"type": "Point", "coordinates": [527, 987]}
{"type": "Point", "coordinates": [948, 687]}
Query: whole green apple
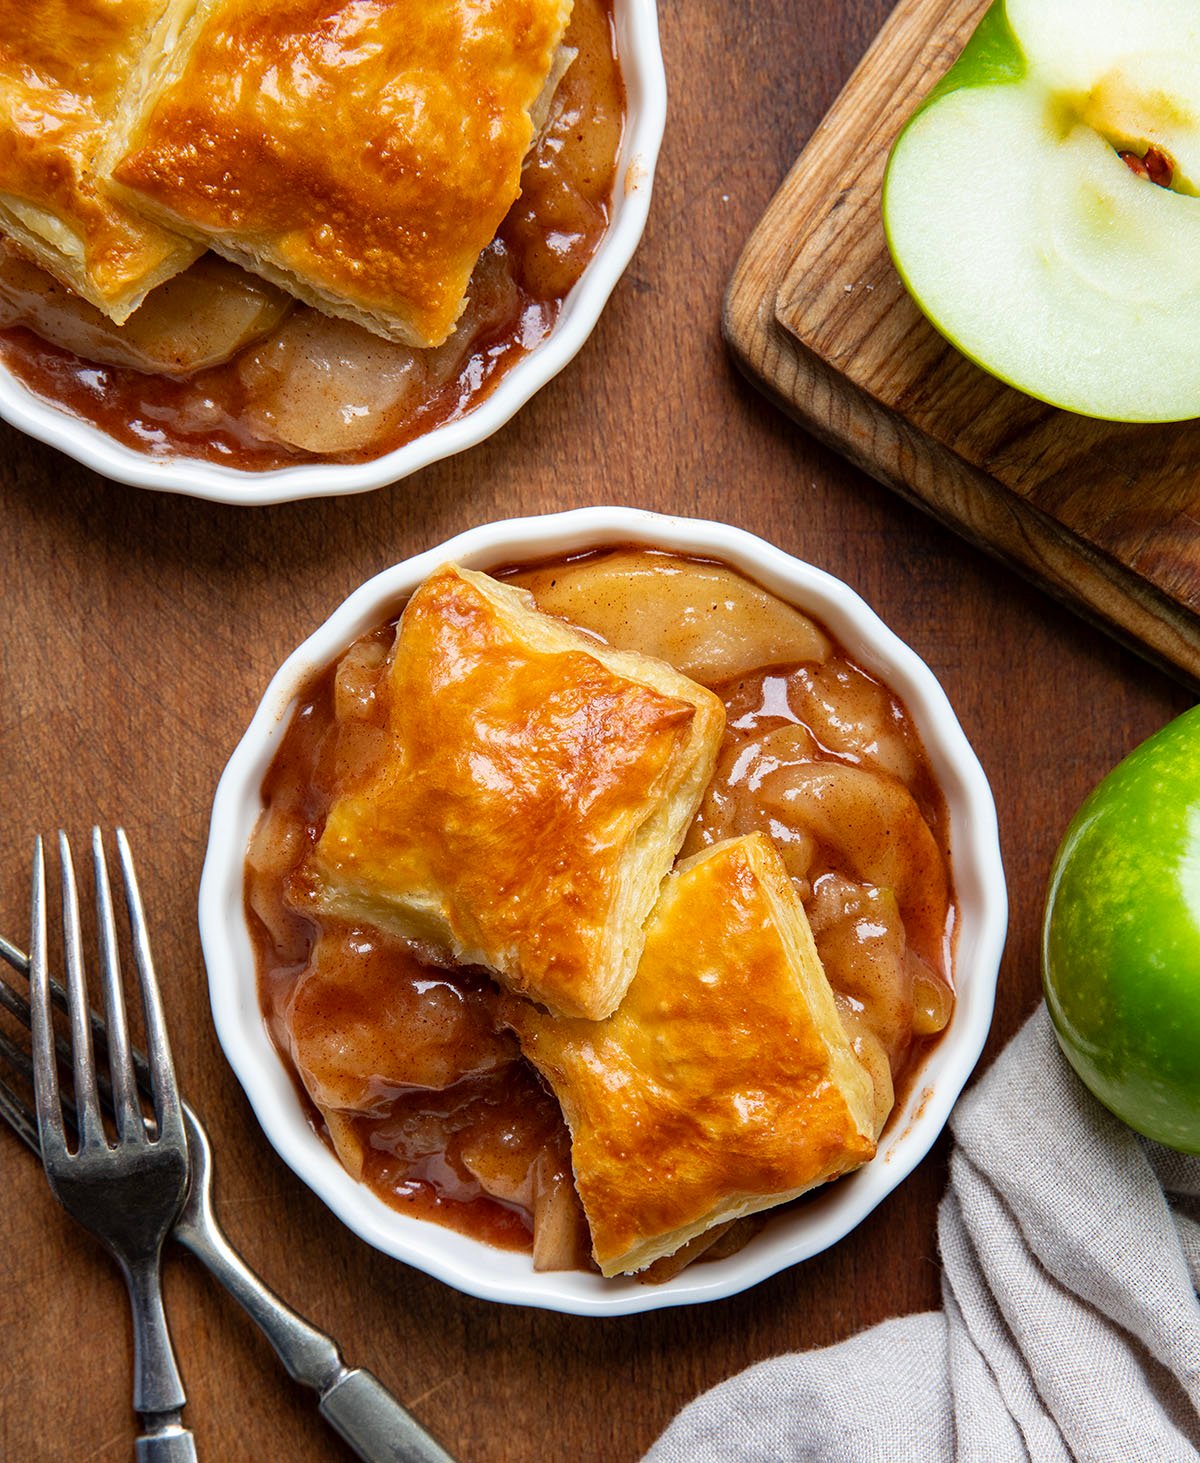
{"type": "Point", "coordinates": [1041, 204]}
{"type": "Point", "coordinates": [1121, 938]}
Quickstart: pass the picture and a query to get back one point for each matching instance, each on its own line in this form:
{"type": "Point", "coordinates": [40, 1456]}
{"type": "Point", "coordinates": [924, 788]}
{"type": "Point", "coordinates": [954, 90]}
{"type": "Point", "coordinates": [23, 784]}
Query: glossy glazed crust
{"type": "Point", "coordinates": [535, 788]}
{"type": "Point", "coordinates": [63, 68]}
{"type": "Point", "coordinates": [725, 1083]}
{"type": "Point", "coordinates": [360, 153]}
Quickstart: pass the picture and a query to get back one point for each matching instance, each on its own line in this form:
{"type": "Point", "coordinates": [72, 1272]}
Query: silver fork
{"type": "Point", "coordinates": [354, 1402]}
{"type": "Point", "coordinates": [130, 1194]}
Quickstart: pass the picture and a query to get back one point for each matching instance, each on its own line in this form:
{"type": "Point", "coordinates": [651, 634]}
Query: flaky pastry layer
{"type": "Point", "coordinates": [724, 1083]}
{"type": "Point", "coordinates": [359, 153]}
{"type": "Point", "coordinates": [64, 66]}
{"type": "Point", "coordinates": [533, 790]}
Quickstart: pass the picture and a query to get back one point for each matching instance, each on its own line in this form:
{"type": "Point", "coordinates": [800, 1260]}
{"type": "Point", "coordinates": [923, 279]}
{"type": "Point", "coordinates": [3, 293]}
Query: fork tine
{"type": "Point", "coordinates": [14, 1108]}
{"type": "Point", "coordinates": [16, 1003]}
{"type": "Point", "coordinates": [22, 1061]}
{"type": "Point", "coordinates": [19, 961]}
{"type": "Point", "coordinates": [13, 1002]}
{"type": "Point", "coordinates": [18, 1116]}
{"type": "Point", "coordinates": [19, 1007]}
{"type": "Point", "coordinates": [163, 1086]}
{"type": "Point", "coordinates": [14, 957]}
{"type": "Point", "coordinates": [18, 1060]}
{"type": "Point", "coordinates": [87, 1100]}
{"type": "Point", "coordinates": [45, 1072]}
{"type": "Point", "coordinates": [126, 1109]}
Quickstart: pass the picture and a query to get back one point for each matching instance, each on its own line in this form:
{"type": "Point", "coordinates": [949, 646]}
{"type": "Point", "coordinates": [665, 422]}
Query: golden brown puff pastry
{"type": "Point", "coordinates": [725, 1082]}
{"type": "Point", "coordinates": [360, 153]}
{"type": "Point", "coordinates": [63, 67]}
{"type": "Point", "coordinates": [535, 788]}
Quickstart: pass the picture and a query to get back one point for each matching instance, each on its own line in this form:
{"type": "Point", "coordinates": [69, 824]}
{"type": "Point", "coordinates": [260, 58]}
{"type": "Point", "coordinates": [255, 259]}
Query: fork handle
{"type": "Point", "coordinates": [354, 1403]}
{"type": "Point", "coordinates": [157, 1388]}
{"type": "Point", "coordinates": [376, 1426]}
{"type": "Point", "coordinates": [172, 1445]}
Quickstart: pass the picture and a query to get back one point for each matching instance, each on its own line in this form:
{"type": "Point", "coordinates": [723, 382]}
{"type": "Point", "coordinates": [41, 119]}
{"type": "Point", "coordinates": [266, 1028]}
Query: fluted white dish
{"type": "Point", "coordinates": [791, 1235]}
{"type": "Point", "coordinates": [646, 100]}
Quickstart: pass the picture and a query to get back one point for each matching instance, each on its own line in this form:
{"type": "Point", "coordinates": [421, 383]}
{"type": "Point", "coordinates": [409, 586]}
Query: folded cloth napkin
{"type": "Point", "coordinates": [1071, 1325]}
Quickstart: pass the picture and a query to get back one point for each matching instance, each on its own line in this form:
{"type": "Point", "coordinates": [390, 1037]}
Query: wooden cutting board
{"type": "Point", "coordinates": [1107, 516]}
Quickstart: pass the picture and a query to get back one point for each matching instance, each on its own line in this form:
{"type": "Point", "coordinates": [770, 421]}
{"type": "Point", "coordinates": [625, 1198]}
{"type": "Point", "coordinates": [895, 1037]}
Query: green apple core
{"type": "Point", "coordinates": [1042, 206]}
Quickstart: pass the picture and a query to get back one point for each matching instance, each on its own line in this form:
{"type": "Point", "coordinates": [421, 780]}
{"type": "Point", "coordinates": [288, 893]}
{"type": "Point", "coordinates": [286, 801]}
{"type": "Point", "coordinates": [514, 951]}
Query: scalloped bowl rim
{"type": "Point", "coordinates": [646, 99]}
{"type": "Point", "coordinates": [791, 1235]}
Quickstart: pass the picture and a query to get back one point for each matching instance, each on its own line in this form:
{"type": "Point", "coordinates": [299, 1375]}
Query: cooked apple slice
{"type": "Point", "coordinates": [1041, 204]}
{"type": "Point", "coordinates": [197, 319]}
{"type": "Point", "coordinates": [705, 620]}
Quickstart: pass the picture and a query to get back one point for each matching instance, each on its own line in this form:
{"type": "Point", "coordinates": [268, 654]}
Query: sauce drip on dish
{"type": "Point", "coordinates": [408, 1070]}
{"type": "Point", "coordinates": [317, 388]}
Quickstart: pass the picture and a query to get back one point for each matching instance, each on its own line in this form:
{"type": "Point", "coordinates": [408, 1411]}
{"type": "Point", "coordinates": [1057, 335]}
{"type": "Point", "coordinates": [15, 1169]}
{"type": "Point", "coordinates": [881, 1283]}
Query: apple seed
{"type": "Point", "coordinates": [1156, 166]}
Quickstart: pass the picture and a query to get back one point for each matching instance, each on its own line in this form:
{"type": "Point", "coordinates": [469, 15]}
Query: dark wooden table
{"type": "Point", "coordinates": [137, 635]}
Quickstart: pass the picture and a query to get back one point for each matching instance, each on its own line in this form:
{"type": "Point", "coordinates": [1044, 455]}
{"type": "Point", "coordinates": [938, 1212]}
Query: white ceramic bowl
{"type": "Point", "coordinates": [646, 100]}
{"type": "Point", "coordinates": [791, 1235]}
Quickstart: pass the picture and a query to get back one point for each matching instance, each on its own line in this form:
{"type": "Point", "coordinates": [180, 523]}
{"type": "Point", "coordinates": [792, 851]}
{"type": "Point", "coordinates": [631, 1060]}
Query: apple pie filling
{"type": "Point", "coordinates": [221, 365]}
{"type": "Point", "coordinates": [409, 1061]}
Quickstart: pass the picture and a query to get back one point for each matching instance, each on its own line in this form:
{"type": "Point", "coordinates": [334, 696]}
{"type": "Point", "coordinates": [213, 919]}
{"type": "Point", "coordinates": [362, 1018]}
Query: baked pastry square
{"type": "Point", "coordinates": [361, 156]}
{"type": "Point", "coordinates": [534, 788]}
{"type": "Point", "coordinates": [64, 65]}
{"type": "Point", "coordinates": [725, 1082]}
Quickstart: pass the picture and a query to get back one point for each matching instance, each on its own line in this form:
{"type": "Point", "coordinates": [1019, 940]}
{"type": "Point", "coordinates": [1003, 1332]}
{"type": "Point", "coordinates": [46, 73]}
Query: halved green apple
{"type": "Point", "coordinates": [1041, 204]}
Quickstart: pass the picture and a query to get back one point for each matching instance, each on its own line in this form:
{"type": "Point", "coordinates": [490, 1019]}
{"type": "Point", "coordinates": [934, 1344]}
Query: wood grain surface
{"type": "Point", "coordinates": [139, 631]}
{"type": "Point", "coordinates": [1106, 515]}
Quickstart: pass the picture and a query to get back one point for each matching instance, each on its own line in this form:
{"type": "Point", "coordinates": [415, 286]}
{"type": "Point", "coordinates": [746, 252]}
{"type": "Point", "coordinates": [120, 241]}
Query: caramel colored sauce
{"type": "Point", "coordinates": [223, 414]}
{"type": "Point", "coordinates": [400, 1162]}
{"type": "Point", "coordinates": [470, 1148]}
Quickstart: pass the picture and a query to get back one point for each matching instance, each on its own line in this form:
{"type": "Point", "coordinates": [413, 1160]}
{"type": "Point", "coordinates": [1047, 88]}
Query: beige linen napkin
{"type": "Point", "coordinates": [1071, 1325]}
